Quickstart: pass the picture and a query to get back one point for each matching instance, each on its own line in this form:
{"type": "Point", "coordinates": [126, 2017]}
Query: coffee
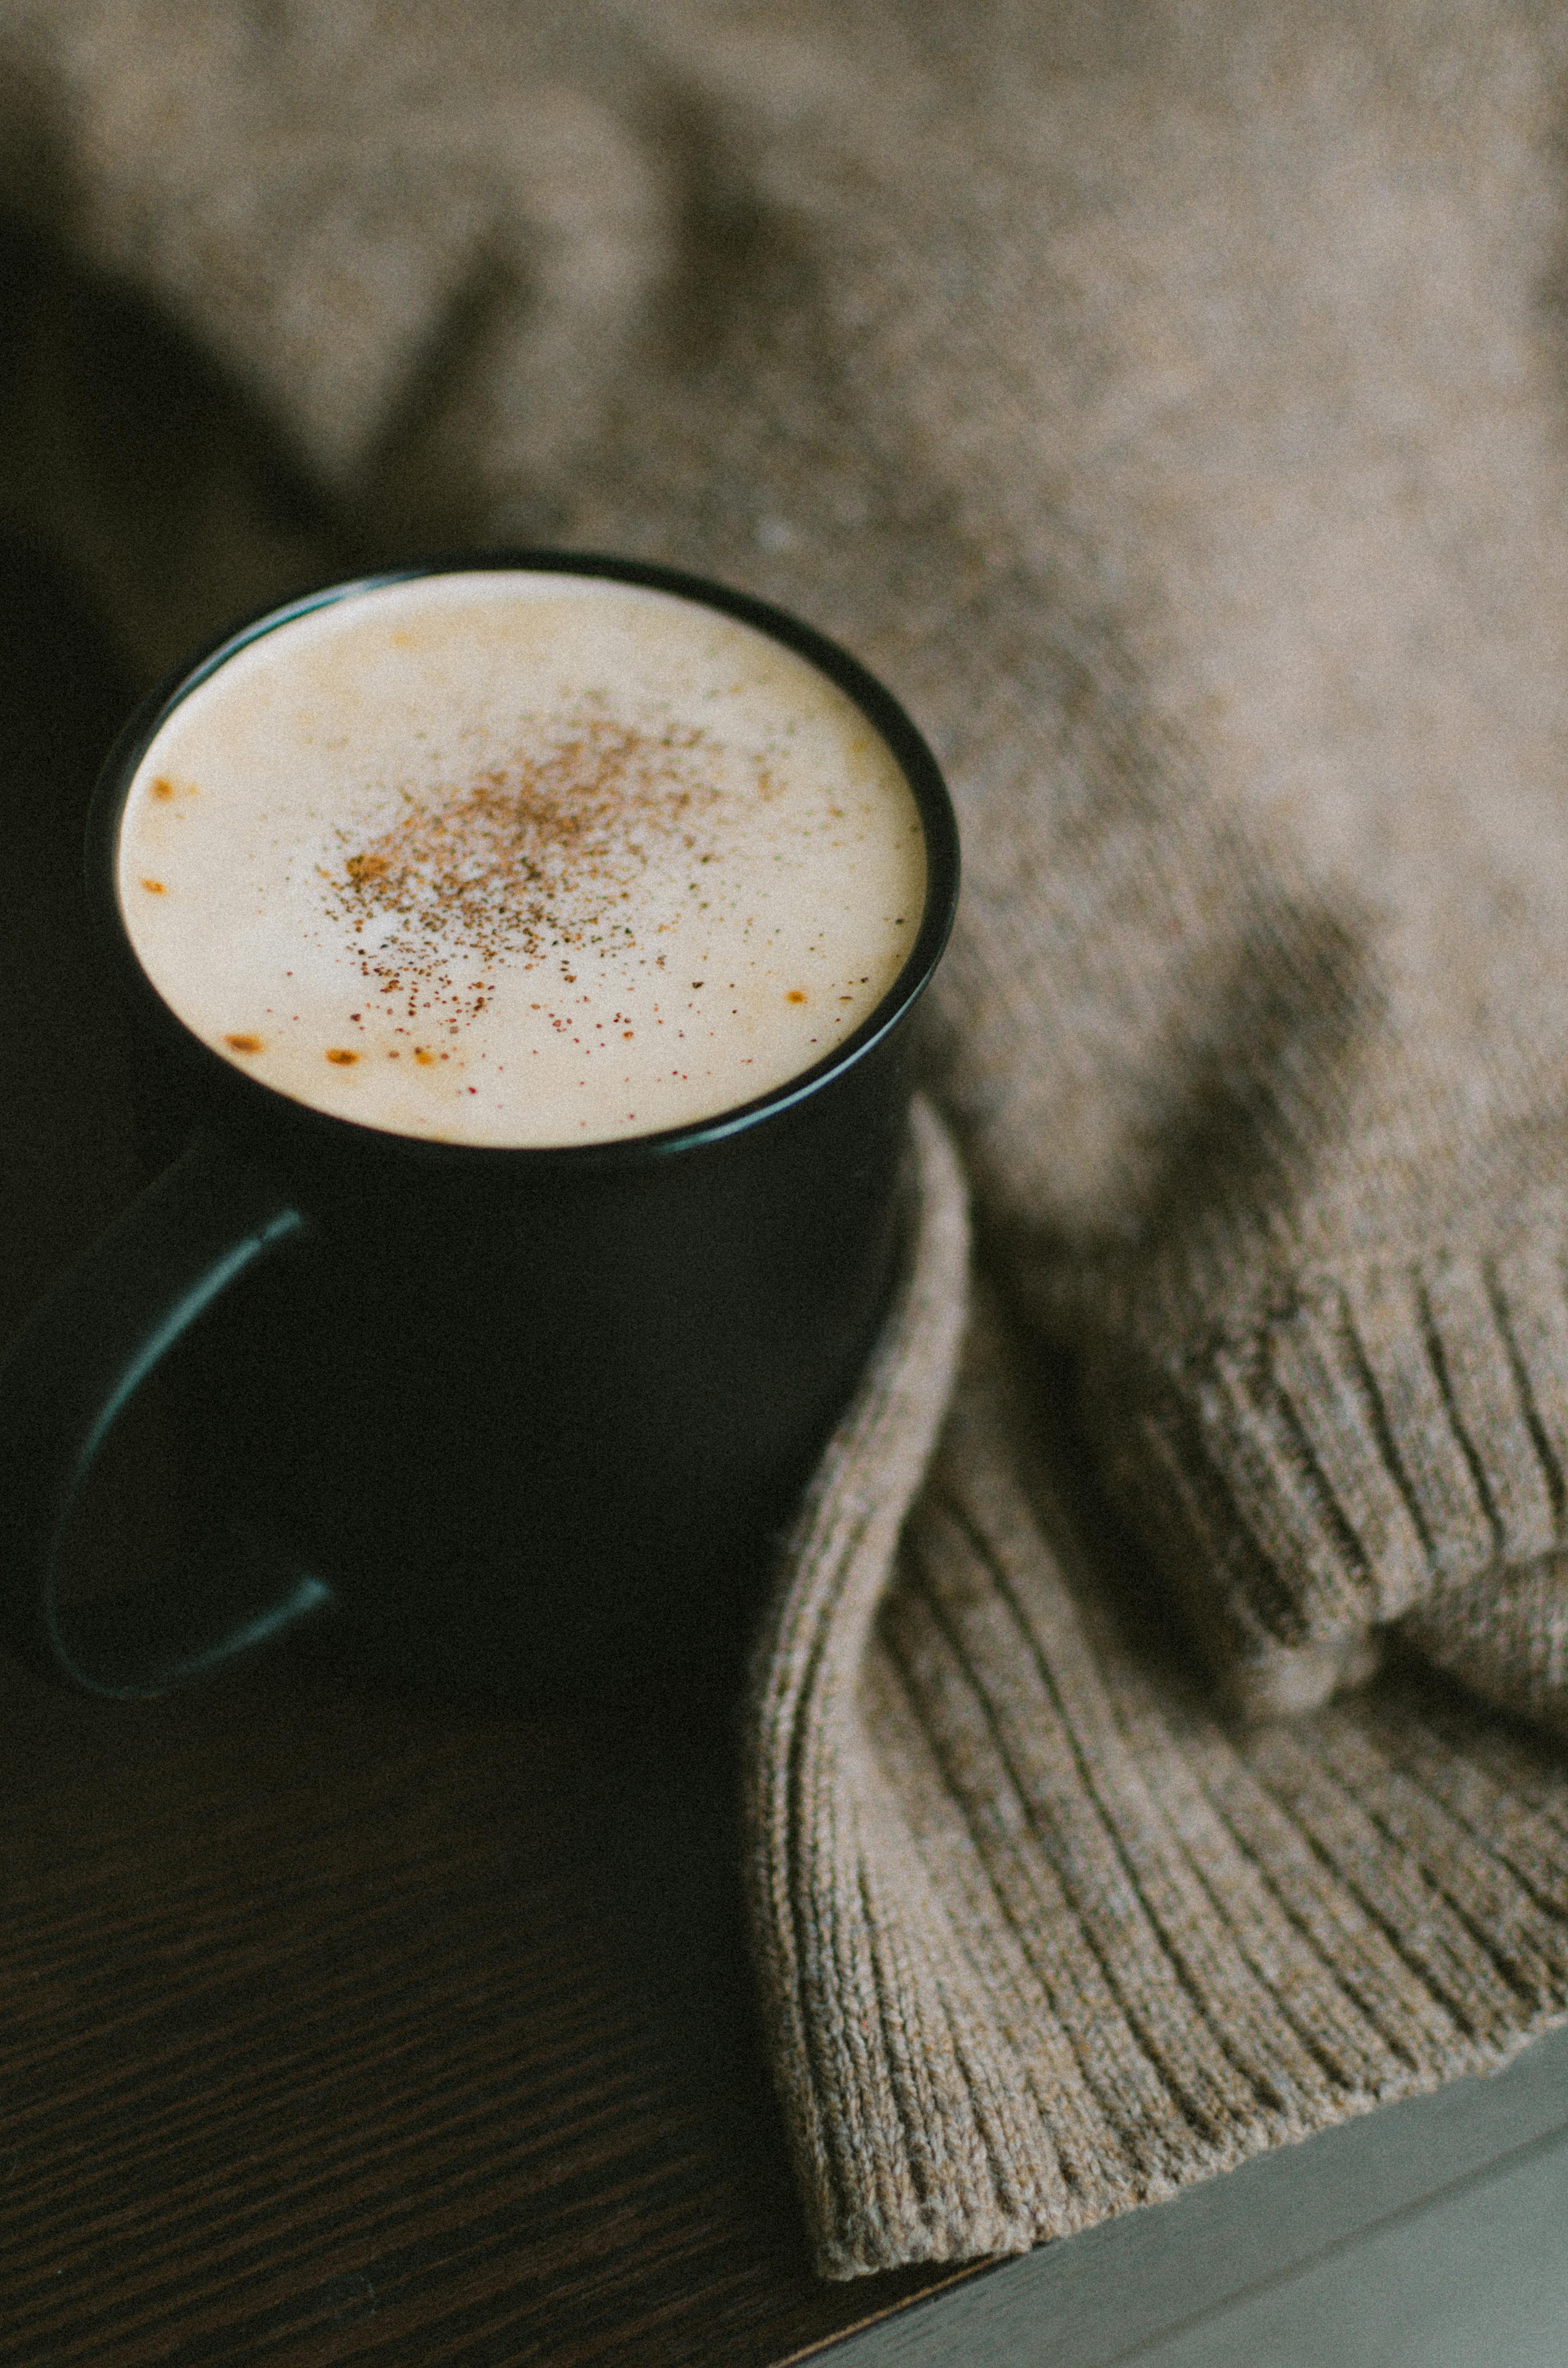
{"type": "Point", "coordinates": [543, 858]}
{"type": "Point", "coordinates": [520, 858]}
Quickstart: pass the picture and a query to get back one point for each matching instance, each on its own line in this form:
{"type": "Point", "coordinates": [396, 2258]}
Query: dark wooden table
{"type": "Point", "coordinates": [351, 2021]}
{"type": "Point", "coordinates": [345, 2018]}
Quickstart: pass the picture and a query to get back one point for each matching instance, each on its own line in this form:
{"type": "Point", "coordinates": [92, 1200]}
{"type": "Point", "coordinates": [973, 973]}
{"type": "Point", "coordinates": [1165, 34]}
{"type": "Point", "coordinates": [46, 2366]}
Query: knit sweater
{"type": "Point", "coordinates": [1150, 1749]}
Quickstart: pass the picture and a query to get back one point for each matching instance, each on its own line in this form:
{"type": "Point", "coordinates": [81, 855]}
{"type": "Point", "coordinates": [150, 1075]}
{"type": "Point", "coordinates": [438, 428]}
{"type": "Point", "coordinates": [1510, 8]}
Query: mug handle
{"type": "Point", "coordinates": [71, 1372]}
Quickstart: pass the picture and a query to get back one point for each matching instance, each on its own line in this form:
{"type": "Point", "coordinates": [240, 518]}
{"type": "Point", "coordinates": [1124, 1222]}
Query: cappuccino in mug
{"type": "Point", "coordinates": [526, 954]}
{"type": "Point", "coordinates": [518, 857]}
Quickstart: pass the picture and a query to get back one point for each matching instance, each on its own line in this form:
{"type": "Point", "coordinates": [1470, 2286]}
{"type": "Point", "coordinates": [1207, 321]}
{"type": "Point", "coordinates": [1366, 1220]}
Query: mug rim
{"type": "Point", "coordinates": [252, 1099]}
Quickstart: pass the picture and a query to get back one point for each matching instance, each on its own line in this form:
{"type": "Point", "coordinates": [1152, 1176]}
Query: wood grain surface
{"type": "Point", "coordinates": [351, 2020]}
{"type": "Point", "coordinates": [346, 2018]}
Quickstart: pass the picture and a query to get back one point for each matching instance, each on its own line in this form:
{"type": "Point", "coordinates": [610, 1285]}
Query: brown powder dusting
{"type": "Point", "coordinates": [342, 1057]}
{"type": "Point", "coordinates": [245, 1043]}
{"type": "Point", "coordinates": [536, 858]}
{"type": "Point", "coordinates": [162, 790]}
{"type": "Point", "coordinates": [153, 887]}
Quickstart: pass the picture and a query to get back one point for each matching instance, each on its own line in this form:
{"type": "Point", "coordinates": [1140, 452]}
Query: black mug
{"type": "Point", "coordinates": [520, 1403]}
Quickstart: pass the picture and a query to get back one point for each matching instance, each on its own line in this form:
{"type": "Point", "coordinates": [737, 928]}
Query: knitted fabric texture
{"type": "Point", "coordinates": [1169, 402]}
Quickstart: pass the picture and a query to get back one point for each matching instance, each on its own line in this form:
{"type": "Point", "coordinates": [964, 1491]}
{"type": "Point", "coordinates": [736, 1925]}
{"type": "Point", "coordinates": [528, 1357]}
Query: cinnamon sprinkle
{"type": "Point", "coordinates": [536, 858]}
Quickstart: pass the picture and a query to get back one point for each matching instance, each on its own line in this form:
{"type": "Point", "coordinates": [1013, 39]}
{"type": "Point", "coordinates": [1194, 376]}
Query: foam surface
{"type": "Point", "coordinates": [520, 858]}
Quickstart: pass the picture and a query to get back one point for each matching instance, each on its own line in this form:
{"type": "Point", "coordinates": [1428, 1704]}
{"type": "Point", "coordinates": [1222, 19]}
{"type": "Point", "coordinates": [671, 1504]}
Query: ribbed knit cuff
{"type": "Point", "coordinates": [1039, 1939]}
{"type": "Point", "coordinates": [825, 1947]}
{"type": "Point", "coordinates": [1385, 1440]}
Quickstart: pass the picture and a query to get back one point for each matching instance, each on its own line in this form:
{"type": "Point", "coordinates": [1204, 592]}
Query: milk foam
{"type": "Point", "coordinates": [520, 858]}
